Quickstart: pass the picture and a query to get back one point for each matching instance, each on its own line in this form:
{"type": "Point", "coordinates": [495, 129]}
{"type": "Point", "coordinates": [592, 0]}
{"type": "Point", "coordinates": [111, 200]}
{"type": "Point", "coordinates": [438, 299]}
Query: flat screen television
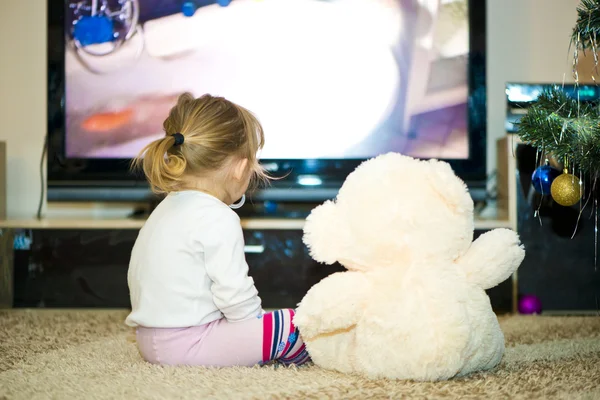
{"type": "Point", "coordinates": [334, 82]}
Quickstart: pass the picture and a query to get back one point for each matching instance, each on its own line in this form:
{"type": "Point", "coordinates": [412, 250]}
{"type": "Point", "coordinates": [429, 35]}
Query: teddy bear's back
{"type": "Point", "coordinates": [417, 325]}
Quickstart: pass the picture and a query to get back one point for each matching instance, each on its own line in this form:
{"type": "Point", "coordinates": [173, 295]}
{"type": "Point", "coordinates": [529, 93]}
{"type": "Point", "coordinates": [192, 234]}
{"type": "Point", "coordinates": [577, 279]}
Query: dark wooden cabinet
{"type": "Point", "coordinates": [63, 268]}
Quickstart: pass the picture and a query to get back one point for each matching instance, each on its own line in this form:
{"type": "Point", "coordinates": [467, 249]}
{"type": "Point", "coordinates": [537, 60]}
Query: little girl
{"type": "Point", "coordinates": [193, 302]}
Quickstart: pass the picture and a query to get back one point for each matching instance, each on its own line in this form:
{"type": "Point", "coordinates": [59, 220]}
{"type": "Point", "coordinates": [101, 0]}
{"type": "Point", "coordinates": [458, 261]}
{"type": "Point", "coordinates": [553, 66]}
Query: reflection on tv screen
{"type": "Point", "coordinates": [336, 79]}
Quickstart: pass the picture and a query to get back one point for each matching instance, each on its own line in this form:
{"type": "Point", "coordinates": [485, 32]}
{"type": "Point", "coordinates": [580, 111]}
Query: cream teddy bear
{"type": "Point", "coordinates": [412, 304]}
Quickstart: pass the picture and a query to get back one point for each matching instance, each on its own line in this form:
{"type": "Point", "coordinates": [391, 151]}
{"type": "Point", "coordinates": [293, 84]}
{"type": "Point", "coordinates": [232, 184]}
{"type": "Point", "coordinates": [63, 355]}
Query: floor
{"type": "Point", "coordinates": [78, 354]}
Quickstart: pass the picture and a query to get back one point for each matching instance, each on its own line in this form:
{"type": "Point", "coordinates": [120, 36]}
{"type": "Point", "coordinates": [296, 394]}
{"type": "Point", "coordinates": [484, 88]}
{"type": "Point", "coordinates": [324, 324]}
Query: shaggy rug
{"type": "Point", "coordinates": [54, 354]}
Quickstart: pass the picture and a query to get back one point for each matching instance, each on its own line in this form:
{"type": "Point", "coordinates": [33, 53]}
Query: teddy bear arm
{"type": "Point", "coordinates": [492, 258]}
{"type": "Point", "coordinates": [334, 304]}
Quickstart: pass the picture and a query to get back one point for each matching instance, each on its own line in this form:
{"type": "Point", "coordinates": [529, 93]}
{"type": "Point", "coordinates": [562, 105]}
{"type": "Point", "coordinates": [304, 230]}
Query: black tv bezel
{"type": "Point", "coordinates": [65, 172]}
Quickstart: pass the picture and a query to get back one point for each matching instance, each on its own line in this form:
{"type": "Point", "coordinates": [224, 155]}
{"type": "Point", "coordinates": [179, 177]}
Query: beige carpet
{"type": "Point", "coordinates": [91, 355]}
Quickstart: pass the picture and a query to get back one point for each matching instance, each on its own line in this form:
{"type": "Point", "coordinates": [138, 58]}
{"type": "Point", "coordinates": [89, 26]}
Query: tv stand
{"type": "Point", "coordinates": [60, 263]}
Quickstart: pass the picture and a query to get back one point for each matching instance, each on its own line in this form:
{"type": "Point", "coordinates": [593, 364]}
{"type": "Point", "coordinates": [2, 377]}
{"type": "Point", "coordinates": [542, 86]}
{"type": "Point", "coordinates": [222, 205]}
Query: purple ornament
{"type": "Point", "coordinates": [530, 304]}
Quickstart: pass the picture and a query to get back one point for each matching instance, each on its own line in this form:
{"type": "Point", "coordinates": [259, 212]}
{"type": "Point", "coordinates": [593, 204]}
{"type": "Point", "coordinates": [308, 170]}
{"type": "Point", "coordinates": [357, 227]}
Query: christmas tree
{"type": "Point", "coordinates": [562, 127]}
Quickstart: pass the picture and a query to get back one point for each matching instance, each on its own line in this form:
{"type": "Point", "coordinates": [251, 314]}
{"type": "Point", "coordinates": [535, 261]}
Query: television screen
{"type": "Point", "coordinates": [328, 79]}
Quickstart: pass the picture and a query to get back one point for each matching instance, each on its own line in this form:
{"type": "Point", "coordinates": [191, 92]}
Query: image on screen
{"type": "Point", "coordinates": [328, 79]}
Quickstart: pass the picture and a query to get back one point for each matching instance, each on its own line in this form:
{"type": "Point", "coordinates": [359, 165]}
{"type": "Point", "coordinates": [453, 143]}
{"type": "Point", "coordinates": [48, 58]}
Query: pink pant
{"type": "Point", "coordinates": [270, 337]}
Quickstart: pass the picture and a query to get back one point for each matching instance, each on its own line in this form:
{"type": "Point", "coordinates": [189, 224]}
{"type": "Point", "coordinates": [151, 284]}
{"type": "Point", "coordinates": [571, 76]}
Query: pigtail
{"type": "Point", "coordinates": [162, 166]}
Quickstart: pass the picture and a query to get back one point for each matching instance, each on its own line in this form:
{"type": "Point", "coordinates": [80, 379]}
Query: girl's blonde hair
{"type": "Point", "coordinates": [214, 130]}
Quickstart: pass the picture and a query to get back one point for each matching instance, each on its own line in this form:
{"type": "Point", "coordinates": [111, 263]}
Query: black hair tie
{"type": "Point", "coordinates": [179, 138]}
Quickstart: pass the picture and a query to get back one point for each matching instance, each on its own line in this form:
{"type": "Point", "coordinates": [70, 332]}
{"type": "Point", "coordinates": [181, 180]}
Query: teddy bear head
{"type": "Point", "coordinates": [391, 211]}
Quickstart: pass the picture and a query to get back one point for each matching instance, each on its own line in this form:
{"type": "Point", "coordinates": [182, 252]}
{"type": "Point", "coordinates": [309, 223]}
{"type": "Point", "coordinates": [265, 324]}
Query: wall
{"type": "Point", "coordinates": [23, 100]}
{"type": "Point", "coordinates": [527, 41]}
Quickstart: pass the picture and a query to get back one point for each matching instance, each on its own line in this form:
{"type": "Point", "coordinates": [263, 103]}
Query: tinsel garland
{"type": "Point", "coordinates": [565, 128]}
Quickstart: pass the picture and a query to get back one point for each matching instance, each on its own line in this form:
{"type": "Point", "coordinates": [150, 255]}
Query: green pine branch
{"type": "Point", "coordinates": [565, 128]}
{"type": "Point", "coordinates": [586, 32]}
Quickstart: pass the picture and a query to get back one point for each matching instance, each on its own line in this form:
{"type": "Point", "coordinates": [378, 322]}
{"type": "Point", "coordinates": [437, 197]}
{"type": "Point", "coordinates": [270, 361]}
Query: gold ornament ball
{"type": "Point", "coordinates": [566, 189]}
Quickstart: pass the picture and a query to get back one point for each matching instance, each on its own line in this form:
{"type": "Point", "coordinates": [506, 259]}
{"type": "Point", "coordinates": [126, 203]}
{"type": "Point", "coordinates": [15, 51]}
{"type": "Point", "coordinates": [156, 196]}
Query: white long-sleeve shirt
{"type": "Point", "coordinates": [188, 266]}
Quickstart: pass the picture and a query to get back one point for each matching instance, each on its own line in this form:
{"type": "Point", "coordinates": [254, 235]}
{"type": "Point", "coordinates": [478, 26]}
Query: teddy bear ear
{"type": "Point", "coordinates": [321, 233]}
{"type": "Point", "coordinates": [450, 187]}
